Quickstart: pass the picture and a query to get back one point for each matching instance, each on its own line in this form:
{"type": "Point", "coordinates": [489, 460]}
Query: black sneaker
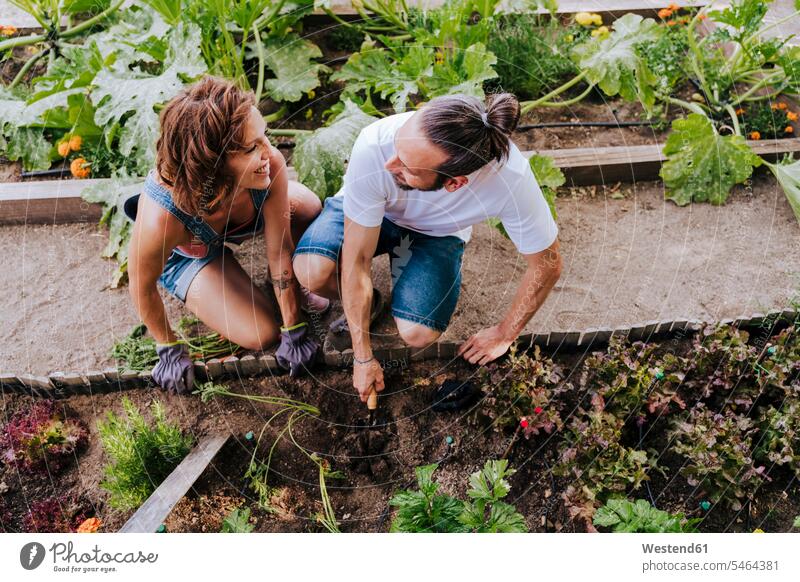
{"type": "Point", "coordinates": [338, 337]}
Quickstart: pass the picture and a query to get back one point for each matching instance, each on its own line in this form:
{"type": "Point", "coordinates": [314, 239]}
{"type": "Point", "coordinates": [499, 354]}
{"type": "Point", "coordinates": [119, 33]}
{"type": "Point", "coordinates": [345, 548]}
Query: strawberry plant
{"type": "Point", "coordinates": [624, 516]}
{"type": "Point", "coordinates": [237, 521]}
{"type": "Point", "coordinates": [42, 439]}
{"type": "Point", "coordinates": [141, 454]}
{"type": "Point", "coordinates": [428, 511]}
{"type": "Point", "coordinates": [718, 453]}
{"type": "Point", "coordinates": [523, 387]}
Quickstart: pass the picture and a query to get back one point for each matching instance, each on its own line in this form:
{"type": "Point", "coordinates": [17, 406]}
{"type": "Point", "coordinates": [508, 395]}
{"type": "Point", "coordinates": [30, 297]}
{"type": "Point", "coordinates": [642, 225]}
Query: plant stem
{"type": "Point", "coordinates": [260, 53]}
{"type": "Point", "coordinates": [27, 66]}
{"type": "Point", "coordinates": [762, 83]}
{"type": "Point", "coordinates": [273, 117]}
{"type": "Point", "coordinates": [695, 107]}
{"type": "Point", "coordinates": [92, 21]}
{"type": "Point", "coordinates": [734, 118]}
{"type": "Point", "coordinates": [568, 101]}
{"type": "Point", "coordinates": [21, 41]}
{"type": "Point", "coordinates": [528, 105]}
{"type": "Point", "coordinates": [288, 132]}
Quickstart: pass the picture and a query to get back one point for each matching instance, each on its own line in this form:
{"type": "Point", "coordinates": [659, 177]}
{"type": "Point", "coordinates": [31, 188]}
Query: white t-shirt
{"type": "Point", "coordinates": [508, 192]}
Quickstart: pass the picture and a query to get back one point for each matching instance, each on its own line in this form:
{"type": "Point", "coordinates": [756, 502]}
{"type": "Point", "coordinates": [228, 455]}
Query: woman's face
{"type": "Point", "coordinates": [250, 166]}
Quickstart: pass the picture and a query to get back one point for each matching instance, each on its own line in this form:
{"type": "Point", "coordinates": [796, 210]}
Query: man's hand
{"type": "Point", "coordinates": [366, 377]}
{"type": "Point", "coordinates": [486, 345]}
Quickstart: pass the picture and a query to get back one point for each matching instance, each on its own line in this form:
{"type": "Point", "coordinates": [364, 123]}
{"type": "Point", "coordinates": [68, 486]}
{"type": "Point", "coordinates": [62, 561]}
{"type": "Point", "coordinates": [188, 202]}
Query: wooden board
{"type": "Point", "coordinates": [155, 510]}
{"type": "Point", "coordinates": [59, 201]}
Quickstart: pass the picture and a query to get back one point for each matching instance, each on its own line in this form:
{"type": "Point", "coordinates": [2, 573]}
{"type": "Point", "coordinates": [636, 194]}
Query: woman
{"type": "Point", "coordinates": [217, 180]}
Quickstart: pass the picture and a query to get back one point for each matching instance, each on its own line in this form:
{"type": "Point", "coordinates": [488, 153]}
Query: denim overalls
{"type": "Point", "coordinates": [186, 261]}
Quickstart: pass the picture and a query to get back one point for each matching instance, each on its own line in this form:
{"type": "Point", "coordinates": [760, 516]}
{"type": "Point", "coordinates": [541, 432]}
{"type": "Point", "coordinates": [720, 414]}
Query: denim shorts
{"type": "Point", "coordinates": [426, 270]}
{"type": "Point", "coordinates": [180, 271]}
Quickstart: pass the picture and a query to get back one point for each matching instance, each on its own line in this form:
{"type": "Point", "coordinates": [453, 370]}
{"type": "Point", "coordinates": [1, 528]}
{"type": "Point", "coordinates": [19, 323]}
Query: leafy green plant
{"type": "Point", "coordinates": [624, 516]}
{"type": "Point", "coordinates": [237, 521]}
{"type": "Point", "coordinates": [428, 511]}
{"type": "Point", "coordinates": [531, 58]}
{"type": "Point", "coordinates": [702, 165]}
{"type": "Point", "coordinates": [763, 120]}
{"type": "Point", "coordinates": [631, 379]}
{"type": "Point", "coordinates": [718, 448]}
{"type": "Point", "coordinates": [780, 436]}
{"type": "Point", "coordinates": [138, 352]}
{"type": "Point", "coordinates": [61, 514]}
{"type": "Point", "coordinates": [320, 157]}
{"type": "Point", "coordinates": [141, 454]}
{"type": "Point", "coordinates": [522, 389]}
{"type": "Point", "coordinates": [592, 453]}
{"type": "Point", "coordinates": [41, 439]}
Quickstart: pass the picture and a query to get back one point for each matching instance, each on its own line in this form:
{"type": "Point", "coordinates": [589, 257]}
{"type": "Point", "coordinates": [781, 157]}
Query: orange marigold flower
{"type": "Point", "coordinates": [80, 168]}
{"type": "Point", "coordinates": [788, 129]}
{"type": "Point", "coordinates": [671, 23]}
{"type": "Point", "coordinates": [91, 525]}
{"type": "Point", "coordinates": [781, 105]}
{"type": "Point", "coordinates": [791, 116]}
{"type": "Point", "coordinates": [673, 7]}
{"type": "Point", "coordinates": [664, 13]}
{"type": "Point", "coordinates": [740, 111]}
{"type": "Point", "coordinates": [754, 135]}
{"type": "Point", "coordinates": [702, 17]}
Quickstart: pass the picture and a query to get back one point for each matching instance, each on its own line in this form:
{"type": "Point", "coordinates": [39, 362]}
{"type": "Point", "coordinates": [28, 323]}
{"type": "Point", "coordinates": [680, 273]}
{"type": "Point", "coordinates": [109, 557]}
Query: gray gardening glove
{"type": "Point", "coordinates": [297, 349]}
{"type": "Point", "coordinates": [174, 371]}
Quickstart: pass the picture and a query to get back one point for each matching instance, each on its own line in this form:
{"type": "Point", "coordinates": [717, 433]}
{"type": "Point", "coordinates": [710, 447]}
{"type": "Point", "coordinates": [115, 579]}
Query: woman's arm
{"type": "Point", "coordinates": [155, 234]}
{"type": "Point", "coordinates": [278, 236]}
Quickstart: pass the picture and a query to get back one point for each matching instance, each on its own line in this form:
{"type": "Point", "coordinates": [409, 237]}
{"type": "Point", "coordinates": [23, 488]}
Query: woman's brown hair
{"type": "Point", "coordinates": [200, 127]}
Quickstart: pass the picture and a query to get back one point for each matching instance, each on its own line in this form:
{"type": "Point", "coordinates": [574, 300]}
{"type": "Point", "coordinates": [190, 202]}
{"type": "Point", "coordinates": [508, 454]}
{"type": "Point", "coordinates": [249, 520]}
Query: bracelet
{"type": "Point", "coordinates": [357, 361]}
{"type": "Point", "coordinates": [297, 326]}
{"type": "Point", "coordinates": [170, 344]}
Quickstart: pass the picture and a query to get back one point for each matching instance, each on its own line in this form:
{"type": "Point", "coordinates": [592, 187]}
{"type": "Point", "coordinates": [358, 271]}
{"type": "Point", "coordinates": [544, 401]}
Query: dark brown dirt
{"type": "Point", "coordinates": [412, 435]}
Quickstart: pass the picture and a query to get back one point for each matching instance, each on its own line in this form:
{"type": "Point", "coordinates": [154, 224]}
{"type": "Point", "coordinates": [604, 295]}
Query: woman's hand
{"type": "Point", "coordinates": [297, 350]}
{"type": "Point", "coordinates": [174, 371]}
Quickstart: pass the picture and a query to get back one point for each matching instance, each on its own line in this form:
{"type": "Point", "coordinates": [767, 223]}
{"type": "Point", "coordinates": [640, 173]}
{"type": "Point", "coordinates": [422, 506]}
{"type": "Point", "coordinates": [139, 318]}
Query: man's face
{"type": "Point", "coordinates": [413, 165]}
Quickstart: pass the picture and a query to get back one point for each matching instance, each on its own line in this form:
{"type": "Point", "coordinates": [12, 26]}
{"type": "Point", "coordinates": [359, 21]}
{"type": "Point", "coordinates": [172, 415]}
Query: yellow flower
{"type": "Point", "coordinates": [601, 32]}
{"type": "Point", "coordinates": [309, 113]}
{"type": "Point", "coordinates": [758, 530]}
{"type": "Point", "coordinates": [584, 19]}
{"type": "Point", "coordinates": [597, 20]}
{"type": "Point", "coordinates": [311, 94]}
{"type": "Point", "coordinates": [8, 30]}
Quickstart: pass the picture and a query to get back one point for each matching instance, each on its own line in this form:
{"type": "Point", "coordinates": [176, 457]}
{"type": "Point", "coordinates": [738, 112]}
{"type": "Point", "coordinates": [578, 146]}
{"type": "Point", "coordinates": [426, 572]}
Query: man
{"type": "Point", "coordinates": [415, 184]}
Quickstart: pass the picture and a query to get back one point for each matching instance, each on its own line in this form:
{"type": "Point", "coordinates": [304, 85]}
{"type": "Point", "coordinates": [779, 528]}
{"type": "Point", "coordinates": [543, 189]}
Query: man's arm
{"type": "Point", "coordinates": [544, 269]}
{"type": "Point", "coordinates": [358, 249]}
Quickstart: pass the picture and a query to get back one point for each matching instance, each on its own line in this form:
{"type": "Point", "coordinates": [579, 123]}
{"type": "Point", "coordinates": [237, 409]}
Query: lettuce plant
{"type": "Point", "coordinates": [41, 439]}
{"type": "Point", "coordinates": [624, 516]}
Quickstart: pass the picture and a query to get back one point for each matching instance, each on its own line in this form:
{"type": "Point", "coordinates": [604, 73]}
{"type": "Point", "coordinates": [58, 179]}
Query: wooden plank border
{"type": "Point", "coordinates": [59, 201]}
{"type": "Point", "coordinates": [157, 507]}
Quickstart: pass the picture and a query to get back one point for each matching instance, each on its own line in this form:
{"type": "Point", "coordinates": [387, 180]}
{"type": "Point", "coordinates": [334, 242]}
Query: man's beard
{"type": "Point", "coordinates": [437, 185]}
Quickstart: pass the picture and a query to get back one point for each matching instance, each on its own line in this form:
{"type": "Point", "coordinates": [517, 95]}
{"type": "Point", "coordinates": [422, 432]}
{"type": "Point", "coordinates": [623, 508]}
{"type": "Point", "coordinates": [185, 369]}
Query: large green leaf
{"type": "Point", "coordinates": [701, 165]}
{"type": "Point", "coordinates": [29, 145]}
{"type": "Point", "coordinates": [394, 74]}
{"type": "Point", "coordinates": [464, 72]}
{"type": "Point", "coordinates": [291, 59]}
{"type": "Point", "coordinates": [614, 64]}
{"type": "Point", "coordinates": [320, 157]}
{"type": "Point", "coordinates": [131, 95]}
{"type": "Point", "coordinates": [788, 175]}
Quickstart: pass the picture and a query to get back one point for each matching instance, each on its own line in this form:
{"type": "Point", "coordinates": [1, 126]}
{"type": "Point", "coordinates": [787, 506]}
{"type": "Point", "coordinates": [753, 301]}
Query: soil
{"type": "Point", "coordinates": [409, 434]}
{"type": "Point", "coordinates": [630, 256]}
